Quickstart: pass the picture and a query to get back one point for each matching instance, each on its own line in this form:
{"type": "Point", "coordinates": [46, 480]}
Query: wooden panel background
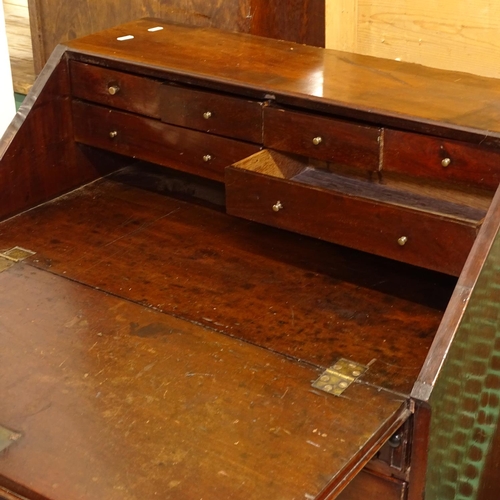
{"type": "Point", "coordinates": [19, 40]}
{"type": "Point", "coordinates": [462, 36]}
{"type": "Point", "coordinates": [55, 21]}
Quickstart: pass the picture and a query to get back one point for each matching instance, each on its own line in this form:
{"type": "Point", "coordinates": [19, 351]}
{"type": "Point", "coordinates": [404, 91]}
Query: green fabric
{"type": "Point", "coordinates": [19, 100]}
{"type": "Point", "coordinates": [466, 398]}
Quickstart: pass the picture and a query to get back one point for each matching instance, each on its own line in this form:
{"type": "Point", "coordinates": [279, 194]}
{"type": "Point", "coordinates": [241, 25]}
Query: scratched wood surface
{"type": "Point", "coordinates": [116, 401]}
{"type": "Point", "coordinates": [318, 302]}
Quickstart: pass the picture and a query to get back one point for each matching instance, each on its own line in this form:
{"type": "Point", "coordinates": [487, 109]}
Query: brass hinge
{"type": "Point", "coordinates": [336, 379]}
{"type": "Point", "coordinates": [10, 257]}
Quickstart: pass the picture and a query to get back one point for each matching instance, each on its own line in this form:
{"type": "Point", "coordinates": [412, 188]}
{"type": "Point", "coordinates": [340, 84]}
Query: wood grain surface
{"type": "Point", "coordinates": [56, 21]}
{"type": "Point", "coordinates": [152, 140]}
{"type": "Point", "coordinates": [373, 90]}
{"type": "Point", "coordinates": [443, 34]}
{"type": "Point", "coordinates": [422, 156]}
{"type": "Point", "coordinates": [117, 401]}
{"type": "Point", "coordinates": [355, 215]}
{"type": "Point", "coordinates": [298, 296]}
{"type": "Point", "coordinates": [17, 26]}
{"type": "Point", "coordinates": [39, 159]}
{"type": "Point", "coordinates": [340, 141]}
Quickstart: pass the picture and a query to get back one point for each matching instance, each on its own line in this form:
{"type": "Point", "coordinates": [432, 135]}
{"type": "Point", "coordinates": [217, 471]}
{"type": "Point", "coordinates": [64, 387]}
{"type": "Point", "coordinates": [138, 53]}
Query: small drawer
{"type": "Point", "coordinates": [210, 112]}
{"type": "Point", "coordinates": [367, 485]}
{"type": "Point", "coordinates": [322, 138]}
{"type": "Point", "coordinates": [115, 89]}
{"type": "Point", "coordinates": [157, 142]}
{"type": "Point", "coordinates": [393, 458]}
{"type": "Point", "coordinates": [435, 158]}
{"type": "Point", "coordinates": [283, 191]}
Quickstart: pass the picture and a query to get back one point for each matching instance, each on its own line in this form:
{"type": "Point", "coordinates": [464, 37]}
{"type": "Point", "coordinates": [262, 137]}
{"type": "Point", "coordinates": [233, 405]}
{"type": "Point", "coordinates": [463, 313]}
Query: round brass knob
{"type": "Point", "coordinates": [402, 241]}
{"type": "Point", "coordinates": [113, 134]}
{"type": "Point", "coordinates": [317, 140]}
{"type": "Point", "coordinates": [446, 162]}
{"type": "Point", "coordinates": [207, 115]}
{"type": "Point", "coordinates": [277, 206]}
{"type": "Point", "coordinates": [395, 440]}
{"type": "Point", "coordinates": [207, 158]}
{"type": "Point", "coordinates": [113, 89]}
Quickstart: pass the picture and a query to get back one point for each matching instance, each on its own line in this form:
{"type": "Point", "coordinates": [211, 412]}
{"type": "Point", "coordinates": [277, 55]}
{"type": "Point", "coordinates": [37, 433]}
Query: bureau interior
{"type": "Point", "coordinates": [160, 238]}
{"type": "Point", "coordinates": [422, 203]}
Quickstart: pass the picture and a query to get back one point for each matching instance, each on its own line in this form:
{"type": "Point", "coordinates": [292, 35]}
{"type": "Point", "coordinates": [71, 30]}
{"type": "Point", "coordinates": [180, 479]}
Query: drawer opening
{"type": "Point", "coordinates": [433, 198]}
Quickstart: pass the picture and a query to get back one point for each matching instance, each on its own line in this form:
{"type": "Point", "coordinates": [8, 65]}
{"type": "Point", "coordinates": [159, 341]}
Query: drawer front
{"type": "Point", "coordinates": [432, 157]}
{"type": "Point", "coordinates": [157, 142]}
{"type": "Point", "coordinates": [430, 240]}
{"type": "Point", "coordinates": [214, 113]}
{"type": "Point", "coordinates": [322, 138]}
{"type": "Point", "coordinates": [115, 89]}
{"type": "Point", "coordinates": [374, 487]}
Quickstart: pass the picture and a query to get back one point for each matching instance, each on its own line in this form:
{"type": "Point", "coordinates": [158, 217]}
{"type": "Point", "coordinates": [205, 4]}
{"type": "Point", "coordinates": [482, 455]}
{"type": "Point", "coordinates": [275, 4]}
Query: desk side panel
{"type": "Point", "coordinates": [38, 157]}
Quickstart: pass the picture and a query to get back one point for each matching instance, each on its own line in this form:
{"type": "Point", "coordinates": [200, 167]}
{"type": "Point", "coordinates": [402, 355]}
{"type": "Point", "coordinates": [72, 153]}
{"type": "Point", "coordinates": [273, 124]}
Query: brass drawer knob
{"type": "Point", "coordinates": [207, 158]}
{"type": "Point", "coordinates": [207, 115]}
{"type": "Point", "coordinates": [317, 140]}
{"type": "Point", "coordinates": [402, 241]}
{"type": "Point", "coordinates": [277, 206]}
{"type": "Point", "coordinates": [396, 439]}
{"type": "Point", "coordinates": [113, 89]}
{"type": "Point", "coordinates": [446, 162]}
{"type": "Point", "coordinates": [113, 134]}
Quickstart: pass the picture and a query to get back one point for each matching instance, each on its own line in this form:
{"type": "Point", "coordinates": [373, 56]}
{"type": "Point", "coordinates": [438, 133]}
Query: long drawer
{"type": "Point", "coordinates": [281, 191]}
{"type": "Point", "coordinates": [151, 140]}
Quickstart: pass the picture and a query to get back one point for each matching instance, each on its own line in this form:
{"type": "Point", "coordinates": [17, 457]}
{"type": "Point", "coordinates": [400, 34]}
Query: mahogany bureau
{"type": "Point", "coordinates": [248, 269]}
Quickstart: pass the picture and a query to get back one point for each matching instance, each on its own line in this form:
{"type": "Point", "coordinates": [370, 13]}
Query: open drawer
{"type": "Point", "coordinates": [431, 228]}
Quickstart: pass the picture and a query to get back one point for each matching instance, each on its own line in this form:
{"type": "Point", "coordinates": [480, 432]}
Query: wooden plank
{"type": "Point", "coordinates": [341, 30]}
{"type": "Point", "coordinates": [444, 35]}
{"type": "Point", "coordinates": [18, 3]}
{"type": "Point", "coordinates": [294, 20]}
{"type": "Point", "coordinates": [318, 304]}
{"type": "Point", "coordinates": [20, 46]}
{"type": "Point", "coordinates": [116, 401]}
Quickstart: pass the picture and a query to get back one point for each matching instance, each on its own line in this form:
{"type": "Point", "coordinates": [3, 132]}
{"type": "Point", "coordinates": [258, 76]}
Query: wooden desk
{"type": "Point", "coordinates": [300, 206]}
